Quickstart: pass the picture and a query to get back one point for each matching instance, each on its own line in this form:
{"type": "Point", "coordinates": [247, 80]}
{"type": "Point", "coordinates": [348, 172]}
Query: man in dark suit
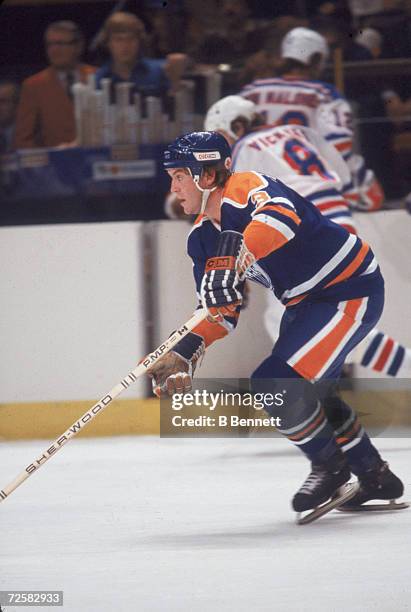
{"type": "Point", "coordinates": [45, 115]}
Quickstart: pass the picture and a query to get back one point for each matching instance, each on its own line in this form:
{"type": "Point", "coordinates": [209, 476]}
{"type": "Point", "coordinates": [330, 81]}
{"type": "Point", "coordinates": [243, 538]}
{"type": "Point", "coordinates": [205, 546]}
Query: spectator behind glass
{"type": "Point", "coordinates": [370, 39]}
{"type": "Point", "coordinates": [390, 18]}
{"type": "Point", "coordinates": [45, 115]}
{"type": "Point", "coordinates": [124, 37]}
{"type": "Point", "coordinates": [339, 33]}
{"type": "Point", "coordinates": [9, 93]}
{"type": "Point", "coordinates": [230, 38]}
{"type": "Point", "coordinates": [164, 20]}
{"type": "Point", "coordinates": [297, 96]}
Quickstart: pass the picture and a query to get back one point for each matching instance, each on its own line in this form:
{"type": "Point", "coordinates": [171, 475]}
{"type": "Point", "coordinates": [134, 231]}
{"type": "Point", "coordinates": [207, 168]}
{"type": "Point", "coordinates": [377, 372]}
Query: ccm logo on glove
{"type": "Point", "coordinates": [221, 263]}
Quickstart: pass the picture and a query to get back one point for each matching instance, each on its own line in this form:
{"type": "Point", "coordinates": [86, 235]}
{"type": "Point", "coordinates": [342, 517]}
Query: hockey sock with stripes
{"type": "Point", "coordinates": [383, 354]}
{"type": "Point", "coordinates": [350, 436]}
{"type": "Point", "coordinates": [307, 427]}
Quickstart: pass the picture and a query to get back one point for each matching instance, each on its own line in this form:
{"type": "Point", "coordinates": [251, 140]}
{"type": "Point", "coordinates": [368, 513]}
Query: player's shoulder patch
{"type": "Point", "coordinates": [241, 186]}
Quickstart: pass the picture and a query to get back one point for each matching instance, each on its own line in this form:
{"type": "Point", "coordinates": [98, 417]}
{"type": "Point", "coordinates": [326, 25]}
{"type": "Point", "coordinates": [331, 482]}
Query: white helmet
{"type": "Point", "coordinates": [301, 43]}
{"type": "Point", "coordinates": [222, 113]}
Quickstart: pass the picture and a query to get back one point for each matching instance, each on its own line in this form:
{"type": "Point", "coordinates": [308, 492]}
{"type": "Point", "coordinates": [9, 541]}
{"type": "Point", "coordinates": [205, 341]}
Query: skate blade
{"type": "Point", "coordinates": [387, 507]}
{"type": "Point", "coordinates": [345, 493]}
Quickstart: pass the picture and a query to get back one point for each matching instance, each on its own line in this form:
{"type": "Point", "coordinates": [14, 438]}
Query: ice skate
{"type": "Point", "coordinates": [324, 489]}
{"type": "Point", "coordinates": [376, 484]}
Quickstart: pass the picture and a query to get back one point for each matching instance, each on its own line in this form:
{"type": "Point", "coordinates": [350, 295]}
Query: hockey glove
{"type": "Point", "coordinates": [221, 287]}
{"type": "Point", "coordinates": [370, 193]}
{"type": "Point", "coordinates": [173, 373]}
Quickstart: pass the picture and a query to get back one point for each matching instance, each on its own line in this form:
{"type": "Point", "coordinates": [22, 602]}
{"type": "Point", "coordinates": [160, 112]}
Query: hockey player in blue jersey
{"type": "Point", "coordinates": [253, 226]}
{"type": "Point", "coordinates": [302, 159]}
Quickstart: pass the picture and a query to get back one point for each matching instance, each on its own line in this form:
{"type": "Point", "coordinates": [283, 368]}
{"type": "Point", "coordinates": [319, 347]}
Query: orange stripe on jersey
{"type": "Point", "coordinates": [312, 362]}
{"type": "Point", "coordinates": [328, 205]}
{"type": "Point", "coordinates": [296, 300]}
{"type": "Point", "coordinates": [349, 228]}
{"type": "Point", "coordinates": [211, 331]}
{"type": "Point", "coordinates": [352, 267]}
{"type": "Point", "coordinates": [198, 219]}
{"type": "Point", "coordinates": [240, 184]}
{"type": "Point", "coordinates": [262, 239]}
{"type": "Point", "coordinates": [352, 307]}
{"type": "Point", "coordinates": [343, 146]}
{"type": "Point", "coordinates": [281, 209]}
{"type": "Point", "coordinates": [352, 195]}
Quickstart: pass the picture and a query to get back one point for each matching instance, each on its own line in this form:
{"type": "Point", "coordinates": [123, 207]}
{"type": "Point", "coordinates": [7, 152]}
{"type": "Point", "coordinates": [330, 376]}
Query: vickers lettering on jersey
{"type": "Point", "coordinates": [265, 142]}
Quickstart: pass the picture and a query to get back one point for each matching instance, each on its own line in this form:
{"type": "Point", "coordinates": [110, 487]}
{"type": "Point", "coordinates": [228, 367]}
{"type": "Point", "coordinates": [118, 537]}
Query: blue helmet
{"type": "Point", "coordinates": [196, 150]}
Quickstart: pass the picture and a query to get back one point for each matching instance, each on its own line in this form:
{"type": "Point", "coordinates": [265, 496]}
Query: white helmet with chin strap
{"type": "Point", "coordinates": [221, 114]}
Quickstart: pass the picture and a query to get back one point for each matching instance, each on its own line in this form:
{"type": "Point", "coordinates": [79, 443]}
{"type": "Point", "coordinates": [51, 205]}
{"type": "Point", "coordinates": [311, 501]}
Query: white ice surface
{"type": "Point", "coordinates": [194, 525]}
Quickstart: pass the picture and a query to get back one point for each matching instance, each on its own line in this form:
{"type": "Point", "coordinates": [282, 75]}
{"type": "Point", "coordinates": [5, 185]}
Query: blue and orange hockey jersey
{"type": "Point", "coordinates": [300, 254]}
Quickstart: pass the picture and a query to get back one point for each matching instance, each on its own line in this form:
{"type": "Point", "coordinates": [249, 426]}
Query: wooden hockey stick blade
{"type": "Point", "coordinates": [144, 365]}
{"type": "Point", "coordinates": [388, 507]}
{"type": "Point", "coordinates": [347, 492]}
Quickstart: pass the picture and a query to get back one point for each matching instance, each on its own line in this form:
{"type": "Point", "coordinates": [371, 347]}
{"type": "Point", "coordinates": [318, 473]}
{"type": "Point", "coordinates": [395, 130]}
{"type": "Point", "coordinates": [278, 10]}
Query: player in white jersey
{"type": "Point", "coordinates": [304, 161]}
{"type": "Point", "coordinates": [297, 155]}
{"type": "Point", "coordinates": [298, 97]}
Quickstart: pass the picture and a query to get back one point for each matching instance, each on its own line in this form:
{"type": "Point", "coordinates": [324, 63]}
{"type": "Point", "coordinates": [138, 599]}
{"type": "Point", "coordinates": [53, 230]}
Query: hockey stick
{"type": "Point", "coordinates": [88, 416]}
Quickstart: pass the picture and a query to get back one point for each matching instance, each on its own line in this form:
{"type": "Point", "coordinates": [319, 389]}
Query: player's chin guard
{"type": "Point", "coordinates": [195, 151]}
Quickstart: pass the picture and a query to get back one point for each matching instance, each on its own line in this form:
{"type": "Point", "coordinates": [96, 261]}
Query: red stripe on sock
{"type": "Point", "coordinates": [382, 359]}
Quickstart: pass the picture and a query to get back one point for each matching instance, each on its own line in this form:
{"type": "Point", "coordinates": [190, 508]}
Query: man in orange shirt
{"type": "Point", "coordinates": [45, 115]}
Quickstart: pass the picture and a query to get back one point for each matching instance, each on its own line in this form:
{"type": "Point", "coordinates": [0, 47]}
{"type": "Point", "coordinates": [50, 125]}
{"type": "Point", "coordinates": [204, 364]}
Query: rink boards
{"type": "Point", "coordinates": [379, 412]}
{"type": "Point", "coordinates": [81, 304]}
